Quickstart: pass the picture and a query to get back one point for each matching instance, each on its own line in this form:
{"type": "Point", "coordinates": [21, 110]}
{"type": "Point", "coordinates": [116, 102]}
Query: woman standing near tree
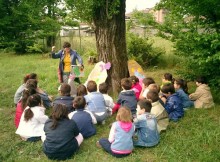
{"type": "Point", "coordinates": [67, 58]}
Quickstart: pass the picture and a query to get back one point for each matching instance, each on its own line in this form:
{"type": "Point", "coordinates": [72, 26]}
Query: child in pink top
{"type": "Point", "coordinates": [136, 86]}
{"type": "Point", "coordinates": [119, 144]}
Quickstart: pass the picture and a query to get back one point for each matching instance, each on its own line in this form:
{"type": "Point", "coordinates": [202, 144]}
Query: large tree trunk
{"type": "Point", "coordinates": [111, 43]}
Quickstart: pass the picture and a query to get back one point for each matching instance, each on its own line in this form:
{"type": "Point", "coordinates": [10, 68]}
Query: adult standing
{"type": "Point", "coordinates": [67, 58]}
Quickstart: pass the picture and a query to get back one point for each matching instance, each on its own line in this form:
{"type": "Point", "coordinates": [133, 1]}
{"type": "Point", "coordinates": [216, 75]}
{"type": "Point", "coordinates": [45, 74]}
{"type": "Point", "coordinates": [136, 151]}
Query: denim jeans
{"type": "Point", "coordinates": [106, 145]}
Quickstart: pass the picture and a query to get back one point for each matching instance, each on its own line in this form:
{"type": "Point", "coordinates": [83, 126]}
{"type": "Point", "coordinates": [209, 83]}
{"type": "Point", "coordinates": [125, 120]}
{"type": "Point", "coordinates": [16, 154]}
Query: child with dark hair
{"type": "Point", "coordinates": [22, 104]}
{"type": "Point", "coordinates": [136, 87]}
{"type": "Point", "coordinates": [182, 91]}
{"type": "Point", "coordinates": [62, 138]}
{"type": "Point", "coordinates": [65, 97]}
{"type": "Point", "coordinates": [96, 102]}
{"type": "Point", "coordinates": [84, 119]}
{"type": "Point", "coordinates": [173, 104]}
{"type": "Point", "coordinates": [145, 125]}
{"type": "Point", "coordinates": [32, 120]}
{"type": "Point", "coordinates": [103, 88]}
{"type": "Point", "coordinates": [145, 87]}
{"type": "Point", "coordinates": [202, 97]}
{"type": "Point", "coordinates": [119, 144]}
{"type": "Point", "coordinates": [126, 97]}
{"type": "Point", "coordinates": [167, 79]}
{"type": "Point", "coordinates": [158, 110]}
{"type": "Point", "coordinates": [81, 90]}
{"type": "Point", "coordinates": [18, 93]}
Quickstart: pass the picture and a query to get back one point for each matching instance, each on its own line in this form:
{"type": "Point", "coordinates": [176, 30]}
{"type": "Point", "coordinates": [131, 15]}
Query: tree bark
{"type": "Point", "coordinates": [111, 43]}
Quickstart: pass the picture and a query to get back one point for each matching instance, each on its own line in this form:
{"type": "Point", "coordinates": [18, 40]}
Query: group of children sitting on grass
{"type": "Point", "coordinates": [143, 112]}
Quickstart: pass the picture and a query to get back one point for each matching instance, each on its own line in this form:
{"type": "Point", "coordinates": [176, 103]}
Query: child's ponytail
{"type": "Point", "coordinates": [34, 100]}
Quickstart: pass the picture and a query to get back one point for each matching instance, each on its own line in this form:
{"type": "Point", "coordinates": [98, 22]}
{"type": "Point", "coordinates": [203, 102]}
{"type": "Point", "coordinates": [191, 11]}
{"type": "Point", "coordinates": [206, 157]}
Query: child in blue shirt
{"type": "Point", "coordinates": [145, 125]}
{"type": "Point", "coordinates": [181, 89]}
{"type": "Point", "coordinates": [95, 102]}
{"type": "Point", "coordinates": [84, 119]}
{"type": "Point", "coordinates": [173, 104]}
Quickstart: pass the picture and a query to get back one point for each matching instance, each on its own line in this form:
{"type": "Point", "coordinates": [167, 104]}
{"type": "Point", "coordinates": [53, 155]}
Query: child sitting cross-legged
{"type": "Point", "coordinates": [173, 104]}
{"type": "Point", "coordinates": [202, 97]}
{"type": "Point", "coordinates": [126, 97]}
{"type": "Point", "coordinates": [65, 97]}
{"type": "Point", "coordinates": [158, 110]}
{"type": "Point", "coordinates": [103, 88]}
{"type": "Point", "coordinates": [32, 120]}
{"type": "Point", "coordinates": [145, 126]}
{"type": "Point", "coordinates": [84, 119]}
{"type": "Point", "coordinates": [96, 102]}
{"type": "Point", "coordinates": [119, 144]}
{"type": "Point", "coordinates": [181, 88]}
{"type": "Point", "coordinates": [62, 137]}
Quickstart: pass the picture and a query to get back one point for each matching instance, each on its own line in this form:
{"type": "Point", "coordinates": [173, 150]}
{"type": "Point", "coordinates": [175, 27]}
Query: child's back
{"type": "Point", "coordinates": [173, 104]}
{"type": "Point", "coordinates": [83, 118]}
{"type": "Point", "coordinates": [145, 125]}
{"type": "Point", "coordinates": [127, 97]}
{"type": "Point", "coordinates": [203, 97]}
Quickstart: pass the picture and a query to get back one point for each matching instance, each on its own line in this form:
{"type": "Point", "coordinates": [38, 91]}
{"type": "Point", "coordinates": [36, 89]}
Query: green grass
{"type": "Point", "coordinates": [193, 138]}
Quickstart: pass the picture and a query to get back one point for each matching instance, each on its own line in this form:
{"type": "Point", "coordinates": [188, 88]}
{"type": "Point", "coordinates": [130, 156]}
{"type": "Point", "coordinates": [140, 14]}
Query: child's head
{"type": "Point", "coordinates": [153, 96]}
{"type": "Point", "coordinates": [167, 77]}
{"type": "Point", "coordinates": [124, 114]}
{"type": "Point", "coordinates": [154, 87]}
{"type": "Point", "coordinates": [28, 91]}
{"type": "Point", "coordinates": [134, 79]}
{"type": "Point", "coordinates": [59, 112]}
{"type": "Point", "coordinates": [79, 102]}
{"type": "Point", "coordinates": [126, 84]}
{"type": "Point", "coordinates": [91, 86]}
{"type": "Point", "coordinates": [168, 89]}
{"type": "Point", "coordinates": [65, 89]}
{"type": "Point", "coordinates": [32, 101]}
{"type": "Point", "coordinates": [30, 76]}
{"type": "Point", "coordinates": [180, 83]}
{"type": "Point", "coordinates": [147, 81]}
{"type": "Point", "coordinates": [201, 80]}
{"type": "Point", "coordinates": [81, 90]}
{"type": "Point", "coordinates": [103, 88]}
{"type": "Point", "coordinates": [143, 106]}
{"type": "Point", "coordinates": [31, 83]}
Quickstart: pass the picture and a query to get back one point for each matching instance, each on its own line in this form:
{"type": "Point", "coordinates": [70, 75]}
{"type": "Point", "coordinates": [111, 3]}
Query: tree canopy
{"type": "Point", "coordinates": [194, 27]}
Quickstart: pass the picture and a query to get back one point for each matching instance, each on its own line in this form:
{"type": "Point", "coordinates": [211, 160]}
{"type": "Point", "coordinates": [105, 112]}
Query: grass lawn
{"type": "Point", "coordinates": [196, 137]}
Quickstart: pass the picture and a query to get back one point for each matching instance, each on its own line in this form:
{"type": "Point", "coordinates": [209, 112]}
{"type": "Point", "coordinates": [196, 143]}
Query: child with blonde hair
{"type": "Point", "coordinates": [119, 144]}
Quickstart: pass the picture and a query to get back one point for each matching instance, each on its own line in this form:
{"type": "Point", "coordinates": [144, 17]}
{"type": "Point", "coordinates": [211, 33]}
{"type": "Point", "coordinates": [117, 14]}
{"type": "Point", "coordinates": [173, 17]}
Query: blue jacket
{"type": "Point", "coordinates": [66, 100]}
{"type": "Point", "coordinates": [122, 139]}
{"type": "Point", "coordinates": [147, 133]}
{"type": "Point", "coordinates": [128, 99]}
{"type": "Point", "coordinates": [95, 102]}
{"type": "Point", "coordinates": [46, 101]}
{"type": "Point", "coordinates": [184, 98]}
{"type": "Point", "coordinates": [84, 122]}
{"type": "Point", "coordinates": [174, 107]}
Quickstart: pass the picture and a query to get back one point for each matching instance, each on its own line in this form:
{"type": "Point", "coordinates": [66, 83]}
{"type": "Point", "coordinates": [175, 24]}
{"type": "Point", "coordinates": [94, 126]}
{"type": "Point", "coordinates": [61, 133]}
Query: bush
{"type": "Point", "coordinates": [142, 50]}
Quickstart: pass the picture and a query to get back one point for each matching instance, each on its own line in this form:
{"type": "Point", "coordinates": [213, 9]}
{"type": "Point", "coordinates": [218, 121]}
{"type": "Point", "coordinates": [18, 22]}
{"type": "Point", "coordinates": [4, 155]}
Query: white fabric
{"type": "Point", "coordinates": [34, 126]}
